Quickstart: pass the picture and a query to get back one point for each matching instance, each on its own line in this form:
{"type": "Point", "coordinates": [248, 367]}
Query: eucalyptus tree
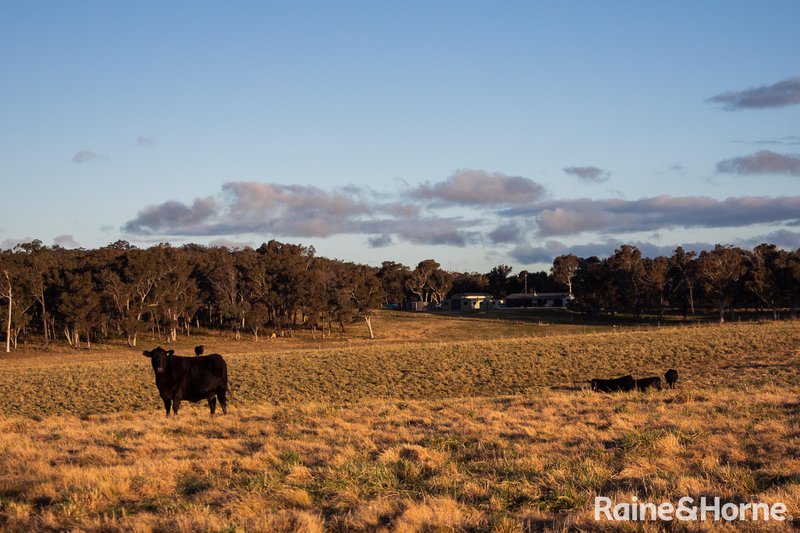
{"type": "Point", "coordinates": [287, 267]}
{"type": "Point", "coordinates": [39, 262]}
{"type": "Point", "coordinates": [763, 271]}
{"type": "Point", "coordinates": [177, 292]}
{"type": "Point", "coordinates": [588, 284]}
{"type": "Point", "coordinates": [627, 272]}
{"type": "Point", "coordinates": [131, 282]}
{"type": "Point", "coordinates": [682, 277]}
{"type": "Point", "coordinates": [654, 283]}
{"type": "Point", "coordinates": [393, 277]}
{"type": "Point", "coordinates": [417, 281]}
{"type": "Point", "coordinates": [498, 280]}
{"type": "Point", "coordinates": [564, 269]}
{"type": "Point", "coordinates": [720, 269]}
{"type": "Point", "coordinates": [14, 284]}
{"type": "Point", "coordinates": [364, 291]}
{"type": "Point", "coordinates": [469, 282]}
{"type": "Point", "coordinates": [79, 306]}
{"type": "Point", "coordinates": [225, 274]}
{"type": "Point", "coordinates": [440, 282]}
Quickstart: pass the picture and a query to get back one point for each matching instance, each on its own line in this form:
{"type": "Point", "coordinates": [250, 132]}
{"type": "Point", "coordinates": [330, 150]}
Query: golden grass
{"type": "Point", "coordinates": [467, 435]}
{"type": "Point", "coordinates": [391, 327]}
{"type": "Point", "coordinates": [488, 464]}
{"type": "Point", "coordinates": [736, 355]}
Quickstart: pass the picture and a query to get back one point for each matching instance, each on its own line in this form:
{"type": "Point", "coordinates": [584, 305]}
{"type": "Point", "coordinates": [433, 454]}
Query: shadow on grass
{"type": "Point", "coordinates": [537, 525]}
{"type": "Point", "coordinates": [569, 388]}
{"type": "Point", "coordinates": [759, 365]}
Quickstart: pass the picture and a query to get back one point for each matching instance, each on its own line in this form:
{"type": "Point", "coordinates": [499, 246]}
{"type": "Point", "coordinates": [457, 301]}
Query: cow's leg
{"type": "Point", "coordinates": [212, 404]}
{"type": "Point", "coordinates": [167, 404]}
{"type": "Point", "coordinates": [223, 402]}
{"type": "Point", "coordinates": [176, 404]}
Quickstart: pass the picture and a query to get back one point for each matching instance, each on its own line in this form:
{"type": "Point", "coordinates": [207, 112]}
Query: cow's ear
{"type": "Point", "coordinates": [170, 352]}
{"type": "Point", "coordinates": [146, 353]}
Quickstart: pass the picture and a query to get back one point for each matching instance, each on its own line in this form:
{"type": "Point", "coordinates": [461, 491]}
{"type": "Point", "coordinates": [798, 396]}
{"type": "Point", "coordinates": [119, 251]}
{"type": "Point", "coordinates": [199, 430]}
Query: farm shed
{"type": "Point", "coordinates": [416, 306]}
{"type": "Point", "coordinates": [469, 301]}
{"type": "Point", "coordinates": [544, 299]}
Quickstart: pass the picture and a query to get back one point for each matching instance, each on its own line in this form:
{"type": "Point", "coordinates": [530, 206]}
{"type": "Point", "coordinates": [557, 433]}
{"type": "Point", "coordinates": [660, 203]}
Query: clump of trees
{"type": "Point", "coordinates": [765, 279]}
{"type": "Point", "coordinates": [123, 291]}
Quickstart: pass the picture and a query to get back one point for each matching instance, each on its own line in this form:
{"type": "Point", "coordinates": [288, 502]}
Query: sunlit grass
{"type": "Point", "coordinates": [469, 464]}
{"type": "Point", "coordinates": [468, 434]}
{"type": "Point", "coordinates": [733, 355]}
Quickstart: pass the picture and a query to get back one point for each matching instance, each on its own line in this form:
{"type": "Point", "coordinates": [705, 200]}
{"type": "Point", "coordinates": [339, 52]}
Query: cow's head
{"type": "Point", "coordinates": [158, 357]}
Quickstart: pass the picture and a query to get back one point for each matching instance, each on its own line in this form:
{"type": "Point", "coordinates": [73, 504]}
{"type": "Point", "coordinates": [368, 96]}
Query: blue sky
{"type": "Point", "coordinates": [475, 133]}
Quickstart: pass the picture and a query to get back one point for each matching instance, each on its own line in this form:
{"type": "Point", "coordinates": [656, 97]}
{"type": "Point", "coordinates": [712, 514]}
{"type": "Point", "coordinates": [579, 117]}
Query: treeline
{"type": "Point", "coordinates": [123, 291]}
{"type": "Point", "coordinates": [763, 279]}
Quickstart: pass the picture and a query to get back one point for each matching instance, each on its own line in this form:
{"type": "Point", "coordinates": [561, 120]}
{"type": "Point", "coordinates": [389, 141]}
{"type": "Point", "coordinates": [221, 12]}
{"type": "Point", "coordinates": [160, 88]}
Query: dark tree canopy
{"type": "Point", "coordinates": [122, 291]}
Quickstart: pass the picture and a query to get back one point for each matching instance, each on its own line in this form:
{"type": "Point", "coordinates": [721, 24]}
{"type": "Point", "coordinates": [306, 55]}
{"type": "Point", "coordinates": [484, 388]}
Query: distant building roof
{"type": "Point", "coordinates": [471, 295]}
{"type": "Point", "coordinates": [545, 295]}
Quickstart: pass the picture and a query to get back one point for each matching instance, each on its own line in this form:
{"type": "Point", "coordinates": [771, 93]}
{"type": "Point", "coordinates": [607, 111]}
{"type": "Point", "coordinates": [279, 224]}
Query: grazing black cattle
{"type": "Point", "coordinates": [189, 378]}
{"type": "Point", "coordinates": [198, 350]}
{"type": "Point", "coordinates": [621, 384]}
{"type": "Point", "coordinates": [653, 382]}
{"type": "Point", "coordinates": [671, 377]}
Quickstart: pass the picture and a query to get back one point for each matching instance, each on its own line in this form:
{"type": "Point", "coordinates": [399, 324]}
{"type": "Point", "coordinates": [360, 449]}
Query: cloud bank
{"type": "Point", "coordinates": [781, 94]}
{"type": "Point", "coordinates": [572, 217]}
{"type": "Point", "coordinates": [477, 187]}
{"type": "Point", "coordinates": [467, 208]}
{"type": "Point", "coordinates": [546, 251]}
{"type": "Point", "coordinates": [249, 207]}
{"type": "Point", "coordinates": [761, 162]}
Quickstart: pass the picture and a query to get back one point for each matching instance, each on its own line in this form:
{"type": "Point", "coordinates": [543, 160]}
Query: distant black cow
{"type": "Point", "coordinates": [189, 378]}
{"type": "Point", "coordinates": [198, 350]}
{"type": "Point", "coordinates": [621, 384]}
{"type": "Point", "coordinates": [648, 383]}
{"type": "Point", "coordinates": [671, 377]}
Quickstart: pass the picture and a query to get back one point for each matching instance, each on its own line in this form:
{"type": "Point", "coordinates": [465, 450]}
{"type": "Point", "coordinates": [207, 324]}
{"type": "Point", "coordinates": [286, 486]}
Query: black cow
{"type": "Point", "coordinates": [671, 377]}
{"type": "Point", "coordinates": [621, 384]}
{"type": "Point", "coordinates": [198, 350]}
{"type": "Point", "coordinates": [647, 383]}
{"type": "Point", "coordinates": [189, 378]}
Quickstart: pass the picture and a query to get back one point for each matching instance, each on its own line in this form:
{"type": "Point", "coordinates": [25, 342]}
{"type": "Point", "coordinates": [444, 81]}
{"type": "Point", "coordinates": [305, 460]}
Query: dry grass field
{"type": "Point", "coordinates": [390, 327]}
{"type": "Point", "coordinates": [473, 431]}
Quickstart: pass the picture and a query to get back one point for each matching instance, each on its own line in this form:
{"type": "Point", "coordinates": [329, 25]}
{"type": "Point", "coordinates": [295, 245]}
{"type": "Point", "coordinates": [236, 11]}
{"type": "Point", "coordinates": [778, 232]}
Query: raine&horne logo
{"type": "Point", "coordinates": [689, 510]}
